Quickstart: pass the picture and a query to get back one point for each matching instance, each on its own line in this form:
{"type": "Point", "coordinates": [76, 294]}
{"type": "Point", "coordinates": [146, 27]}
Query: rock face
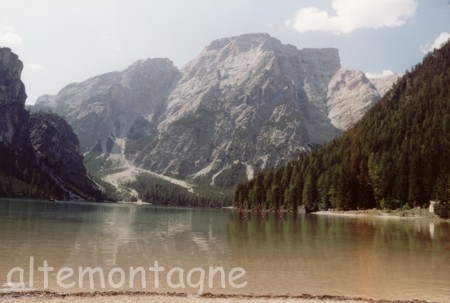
{"type": "Point", "coordinates": [42, 143]}
{"type": "Point", "coordinates": [383, 84]}
{"type": "Point", "coordinates": [12, 99]}
{"type": "Point", "coordinates": [102, 109]}
{"type": "Point", "coordinates": [350, 95]}
{"type": "Point", "coordinates": [247, 98]}
{"type": "Point", "coordinates": [58, 148]}
{"type": "Point", "coordinates": [243, 104]}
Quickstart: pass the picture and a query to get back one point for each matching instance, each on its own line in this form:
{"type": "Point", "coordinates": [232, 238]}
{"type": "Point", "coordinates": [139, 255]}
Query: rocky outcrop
{"type": "Point", "coordinates": [242, 105]}
{"type": "Point", "coordinates": [37, 149]}
{"type": "Point", "coordinates": [384, 83]}
{"type": "Point", "coordinates": [58, 149]}
{"type": "Point", "coordinates": [12, 100]}
{"type": "Point", "coordinates": [350, 95]}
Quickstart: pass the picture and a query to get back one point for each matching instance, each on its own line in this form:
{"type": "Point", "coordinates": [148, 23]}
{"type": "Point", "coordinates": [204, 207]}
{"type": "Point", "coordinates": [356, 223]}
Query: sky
{"type": "Point", "coordinates": [65, 41]}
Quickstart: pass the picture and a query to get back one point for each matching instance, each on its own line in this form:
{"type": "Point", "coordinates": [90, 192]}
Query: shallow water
{"type": "Point", "coordinates": [359, 257]}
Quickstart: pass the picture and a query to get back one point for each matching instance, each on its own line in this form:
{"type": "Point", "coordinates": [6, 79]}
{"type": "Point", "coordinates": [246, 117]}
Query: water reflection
{"type": "Point", "coordinates": [378, 258]}
{"type": "Point", "coordinates": [372, 257]}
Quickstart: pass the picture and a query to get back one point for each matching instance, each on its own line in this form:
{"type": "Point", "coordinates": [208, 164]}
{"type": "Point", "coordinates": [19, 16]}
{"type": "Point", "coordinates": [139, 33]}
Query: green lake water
{"type": "Point", "coordinates": [358, 257]}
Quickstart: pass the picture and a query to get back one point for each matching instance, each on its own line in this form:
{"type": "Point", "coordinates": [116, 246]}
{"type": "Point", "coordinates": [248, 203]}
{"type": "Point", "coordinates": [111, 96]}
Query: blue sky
{"type": "Point", "coordinates": [64, 41]}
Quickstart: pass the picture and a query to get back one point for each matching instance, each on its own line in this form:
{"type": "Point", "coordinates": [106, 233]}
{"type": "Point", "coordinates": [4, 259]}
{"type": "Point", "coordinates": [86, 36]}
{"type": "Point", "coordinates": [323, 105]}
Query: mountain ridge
{"type": "Point", "coordinates": [244, 104]}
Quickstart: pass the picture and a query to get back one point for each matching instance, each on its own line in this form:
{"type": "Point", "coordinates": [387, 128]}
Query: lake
{"type": "Point", "coordinates": [358, 257]}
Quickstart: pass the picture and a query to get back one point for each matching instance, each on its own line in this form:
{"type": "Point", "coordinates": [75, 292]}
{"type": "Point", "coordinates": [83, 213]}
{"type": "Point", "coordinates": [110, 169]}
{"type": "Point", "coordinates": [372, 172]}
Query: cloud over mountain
{"type": "Point", "coordinates": [34, 66]}
{"type": "Point", "coordinates": [436, 44]}
{"type": "Point", "coordinates": [9, 37]}
{"type": "Point", "coordinates": [350, 15]}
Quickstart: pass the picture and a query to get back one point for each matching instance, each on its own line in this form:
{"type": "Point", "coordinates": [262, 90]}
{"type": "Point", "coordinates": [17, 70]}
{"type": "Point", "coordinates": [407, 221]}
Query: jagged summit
{"type": "Point", "coordinates": [250, 49]}
{"type": "Point", "coordinates": [262, 41]}
{"type": "Point", "coordinates": [244, 42]}
{"type": "Point", "coordinates": [11, 71]}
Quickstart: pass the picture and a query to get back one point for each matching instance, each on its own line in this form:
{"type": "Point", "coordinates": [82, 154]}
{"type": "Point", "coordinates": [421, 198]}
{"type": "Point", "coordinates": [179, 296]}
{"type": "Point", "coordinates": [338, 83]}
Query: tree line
{"type": "Point", "coordinates": [397, 156]}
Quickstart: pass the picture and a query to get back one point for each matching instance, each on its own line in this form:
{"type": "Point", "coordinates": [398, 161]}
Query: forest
{"type": "Point", "coordinates": [162, 192]}
{"type": "Point", "coordinates": [397, 156]}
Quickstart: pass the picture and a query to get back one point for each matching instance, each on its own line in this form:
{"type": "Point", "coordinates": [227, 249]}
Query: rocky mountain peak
{"type": "Point", "coordinates": [157, 71]}
{"type": "Point", "coordinates": [243, 98]}
{"type": "Point", "coordinates": [11, 87]}
{"type": "Point", "coordinates": [254, 61]}
{"type": "Point", "coordinates": [243, 43]}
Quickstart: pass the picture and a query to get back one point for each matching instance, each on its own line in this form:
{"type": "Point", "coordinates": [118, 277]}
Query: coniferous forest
{"type": "Point", "coordinates": [397, 156]}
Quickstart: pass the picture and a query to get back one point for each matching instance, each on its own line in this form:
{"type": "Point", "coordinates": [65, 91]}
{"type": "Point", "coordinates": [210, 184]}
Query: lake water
{"type": "Point", "coordinates": [359, 257]}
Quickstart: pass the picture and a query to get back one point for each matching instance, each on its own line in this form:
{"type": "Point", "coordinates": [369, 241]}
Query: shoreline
{"type": "Point", "coordinates": [174, 297]}
{"type": "Point", "coordinates": [414, 213]}
{"type": "Point", "coordinates": [421, 214]}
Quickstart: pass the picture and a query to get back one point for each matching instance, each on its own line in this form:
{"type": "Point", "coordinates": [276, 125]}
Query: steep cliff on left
{"type": "Point", "coordinates": [39, 153]}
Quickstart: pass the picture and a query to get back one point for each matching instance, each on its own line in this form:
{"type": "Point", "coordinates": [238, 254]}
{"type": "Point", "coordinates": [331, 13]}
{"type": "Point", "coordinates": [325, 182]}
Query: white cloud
{"type": "Point", "coordinates": [436, 44]}
{"type": "Point", "coordinates": [351, 15]}
{"type": "Point", "coordinates": [34, 67]}
{"type": "Point", "coordinates": [9, 37]}
{"type": "Point", "coordinates": [384, 73]}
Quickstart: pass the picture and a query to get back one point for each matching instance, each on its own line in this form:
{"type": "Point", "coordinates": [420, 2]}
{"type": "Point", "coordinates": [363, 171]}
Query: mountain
{"type": "Point", "coordinates": [244, 104]}
{"type": "Point", "coordinates": [40, 153]}
{"type": "Point", "coordinates": [384, 83]}
{"type": "Point", "coordinates": [396, 156]}
{"type": "Point", "coordinates": [350, 95]}
{"type": "Point", "coordinates": [103, 109]}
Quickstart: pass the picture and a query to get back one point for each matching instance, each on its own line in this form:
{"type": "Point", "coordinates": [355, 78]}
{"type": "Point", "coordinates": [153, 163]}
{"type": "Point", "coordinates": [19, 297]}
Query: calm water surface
{"type": "Point", "coordinates": [368, 257]}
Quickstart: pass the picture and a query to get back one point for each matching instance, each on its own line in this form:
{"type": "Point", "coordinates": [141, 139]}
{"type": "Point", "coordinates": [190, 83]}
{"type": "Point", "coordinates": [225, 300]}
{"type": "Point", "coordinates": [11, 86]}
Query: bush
{"type": "Point", "coordinates": [442, 209]}
{"type": "Point", "coordinates": [390, 203]}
